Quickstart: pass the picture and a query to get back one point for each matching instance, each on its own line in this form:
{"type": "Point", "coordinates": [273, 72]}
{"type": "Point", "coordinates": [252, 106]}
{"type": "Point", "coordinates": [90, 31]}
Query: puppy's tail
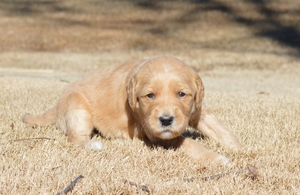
{"type": "Point", "coordinates": [48, 118]}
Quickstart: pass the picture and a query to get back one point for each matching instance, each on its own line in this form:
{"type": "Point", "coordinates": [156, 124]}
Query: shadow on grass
{"type": "Point", "coordinates": [269, 24]}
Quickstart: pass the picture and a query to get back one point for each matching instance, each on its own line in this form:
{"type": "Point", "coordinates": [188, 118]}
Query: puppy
{"type": "Point", "coordinates": [153, 99]}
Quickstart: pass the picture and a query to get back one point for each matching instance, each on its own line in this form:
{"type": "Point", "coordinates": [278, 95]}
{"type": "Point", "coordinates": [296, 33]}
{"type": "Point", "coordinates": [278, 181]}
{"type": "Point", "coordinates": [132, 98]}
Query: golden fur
{"type": "Point", "coordinates": [153, 99]}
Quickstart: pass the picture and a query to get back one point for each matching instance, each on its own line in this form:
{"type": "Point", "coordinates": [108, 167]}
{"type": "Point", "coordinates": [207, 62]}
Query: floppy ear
{"type": "Point", "coordinates": [131, 93]}
{"type": "Point", "coordinates": [199, 93]}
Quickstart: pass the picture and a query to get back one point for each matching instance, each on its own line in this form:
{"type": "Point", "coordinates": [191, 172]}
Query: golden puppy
{"type": "Point", "coordinates": [153, 99]}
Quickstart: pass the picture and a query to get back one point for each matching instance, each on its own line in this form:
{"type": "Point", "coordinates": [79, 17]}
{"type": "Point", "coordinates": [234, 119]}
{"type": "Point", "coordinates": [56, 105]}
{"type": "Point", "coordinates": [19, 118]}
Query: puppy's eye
{"type": "Point", "coordinates": [150, 96]}
{"type": "Point", "coordinates": [181, 94]}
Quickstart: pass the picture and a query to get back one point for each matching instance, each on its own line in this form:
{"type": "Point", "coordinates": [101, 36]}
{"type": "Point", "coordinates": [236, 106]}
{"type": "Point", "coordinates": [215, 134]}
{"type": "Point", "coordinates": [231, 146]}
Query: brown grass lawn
{"type": "Point", "coordinates": [247, 53]}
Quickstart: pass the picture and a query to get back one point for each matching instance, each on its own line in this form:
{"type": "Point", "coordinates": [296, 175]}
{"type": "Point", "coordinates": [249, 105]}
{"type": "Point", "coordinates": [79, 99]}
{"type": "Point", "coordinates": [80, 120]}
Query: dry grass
{"type": "Point", "coordinates": [252, 84]}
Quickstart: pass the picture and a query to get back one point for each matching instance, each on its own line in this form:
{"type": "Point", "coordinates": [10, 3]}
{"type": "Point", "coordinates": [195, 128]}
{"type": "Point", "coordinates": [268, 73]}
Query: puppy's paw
{"type": "Point", "coordinates": [25, 117]}
{"type": "Point", "coordinates": [221, 160]}
{"type": "Point", "coordinates": [93, 145]}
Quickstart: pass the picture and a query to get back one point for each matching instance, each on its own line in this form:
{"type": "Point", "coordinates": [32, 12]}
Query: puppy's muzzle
{"type": "Point", "coordinates": [166, 120]}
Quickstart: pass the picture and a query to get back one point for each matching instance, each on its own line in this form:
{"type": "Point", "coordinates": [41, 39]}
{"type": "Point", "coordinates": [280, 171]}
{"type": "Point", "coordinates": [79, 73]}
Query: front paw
{"type": "Point", "coordinates": [222, 160]}
{"type": "Point", "coordinates": [93, 145]}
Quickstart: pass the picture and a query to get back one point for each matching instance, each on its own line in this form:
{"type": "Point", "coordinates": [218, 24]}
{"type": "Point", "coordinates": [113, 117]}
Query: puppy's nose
{"type": "Point", "coordinates": [166, 120]}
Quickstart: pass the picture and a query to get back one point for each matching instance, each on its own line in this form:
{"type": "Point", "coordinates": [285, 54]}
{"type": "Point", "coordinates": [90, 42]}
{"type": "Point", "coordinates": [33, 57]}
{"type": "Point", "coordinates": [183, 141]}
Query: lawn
{"type": "Point", "coordinates": [246, 52]}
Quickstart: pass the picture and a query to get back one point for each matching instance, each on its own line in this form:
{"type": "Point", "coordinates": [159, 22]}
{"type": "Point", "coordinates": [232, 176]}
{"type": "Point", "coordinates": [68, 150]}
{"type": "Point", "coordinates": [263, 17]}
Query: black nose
{"type": "Point", "coordinates": [166, 120]}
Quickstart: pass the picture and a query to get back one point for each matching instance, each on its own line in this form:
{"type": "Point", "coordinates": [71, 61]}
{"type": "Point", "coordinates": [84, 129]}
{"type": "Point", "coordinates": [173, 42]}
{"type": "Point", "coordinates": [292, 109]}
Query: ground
{"type": "Point", "coordinates": [246, 52]}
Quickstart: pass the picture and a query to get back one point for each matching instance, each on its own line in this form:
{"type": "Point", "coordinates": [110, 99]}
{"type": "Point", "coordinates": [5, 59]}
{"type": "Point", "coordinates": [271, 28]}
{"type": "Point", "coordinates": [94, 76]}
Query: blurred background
{"type": "Point", "coordinates": [203, 30]}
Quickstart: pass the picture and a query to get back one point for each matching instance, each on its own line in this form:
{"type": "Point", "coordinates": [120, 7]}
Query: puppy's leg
{"type": "Point", "coordinates": [74, 117]}
{"type": "Point", "coordinates": [210, 126]}
{"type": "Point", "coordinates": [195, 150]}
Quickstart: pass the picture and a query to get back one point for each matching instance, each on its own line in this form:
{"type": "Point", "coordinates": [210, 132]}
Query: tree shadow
{"type": "Point", "coordinates": [286, 34]}
{"type": "Point", "coordinates": [270, 23]}
{"type": "Point", "coordinates": [271, 27]}
{"type": "Point", "coordinates": [32, 7]}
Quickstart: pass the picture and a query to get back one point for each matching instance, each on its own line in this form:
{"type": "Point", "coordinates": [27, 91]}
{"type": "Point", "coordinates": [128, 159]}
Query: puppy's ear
{"type": "Point", "coordinates": [199, 93]}
{"type": "Point", "coordinates": [131, 93]}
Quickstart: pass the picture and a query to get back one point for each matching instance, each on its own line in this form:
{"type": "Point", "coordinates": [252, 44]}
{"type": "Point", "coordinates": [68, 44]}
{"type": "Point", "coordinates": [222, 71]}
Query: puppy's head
{"type": "Point", "coordinates": [164, 92]}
